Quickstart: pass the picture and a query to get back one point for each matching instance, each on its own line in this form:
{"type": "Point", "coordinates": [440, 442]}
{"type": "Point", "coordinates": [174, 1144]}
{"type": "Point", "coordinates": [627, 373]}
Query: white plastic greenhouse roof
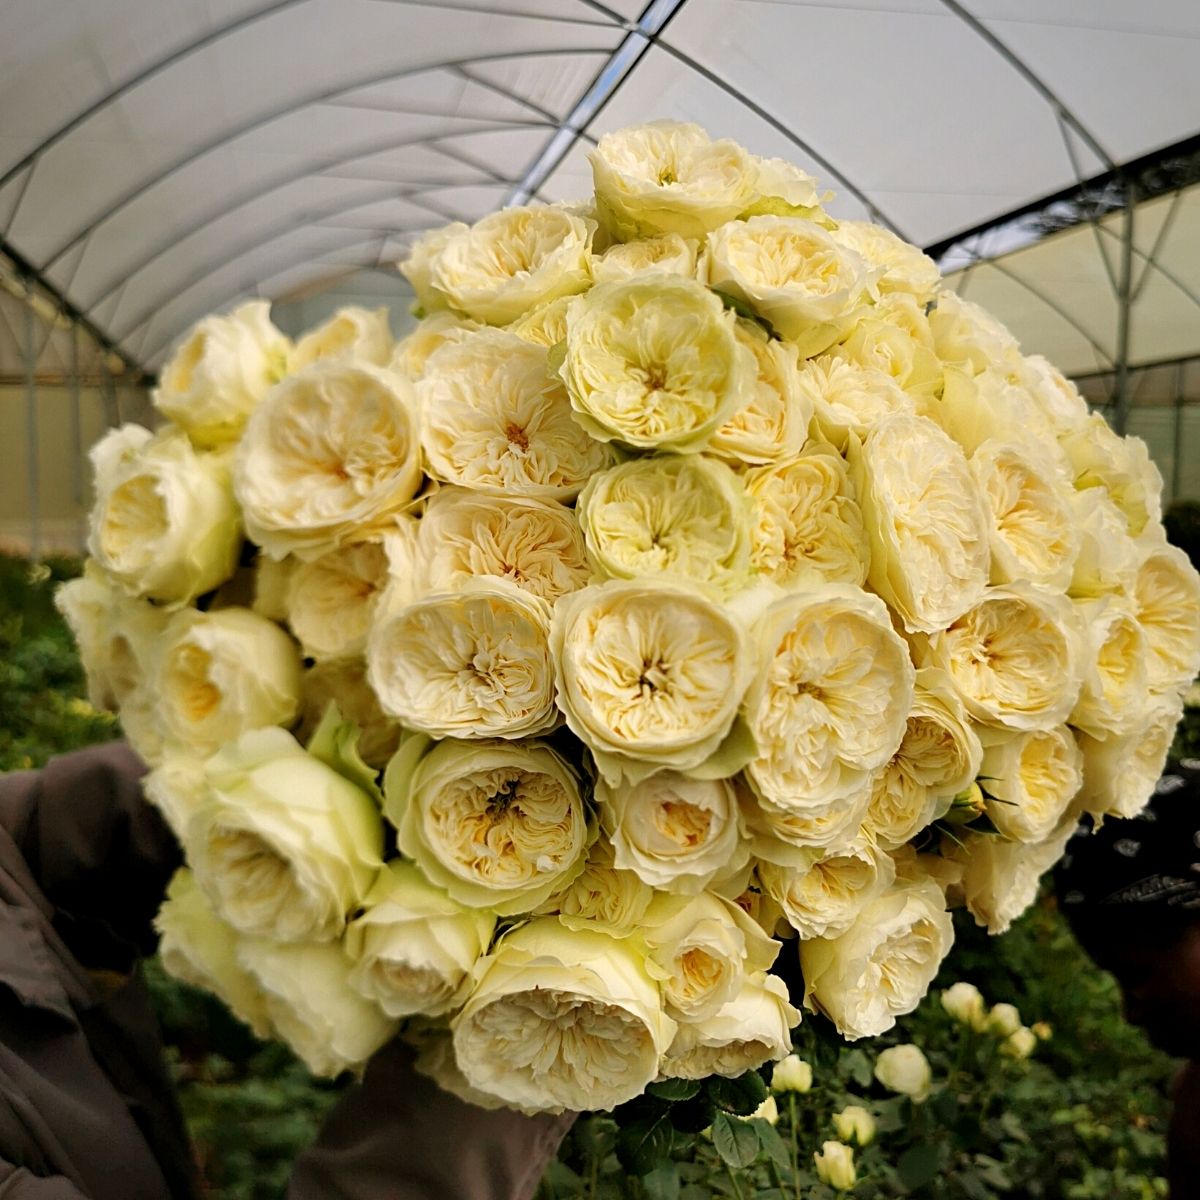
{"type": "Point", "coordinates": [163, 158]}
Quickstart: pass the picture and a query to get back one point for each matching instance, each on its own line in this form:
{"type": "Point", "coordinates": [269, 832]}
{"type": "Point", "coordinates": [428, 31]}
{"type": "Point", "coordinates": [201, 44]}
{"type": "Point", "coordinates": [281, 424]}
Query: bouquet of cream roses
{"type": "Point", "coordinates": [698, 581]}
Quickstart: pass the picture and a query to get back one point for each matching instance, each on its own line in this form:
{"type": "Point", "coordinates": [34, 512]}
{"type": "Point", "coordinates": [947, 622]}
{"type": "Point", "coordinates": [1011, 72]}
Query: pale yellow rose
{"type": "Point", "coordinates": [1059, 399]}
{"type": "Point", "coordinates": [412, 947]}
{"type": "Point", "coordinates": [832, 687]}
{"type": "Point", "coordinates": [219, 373]}
{"type": "Point", "coordinates": [938, 758]}
{"type": "Point", "coordinates": [904, 1069]}
{"type": "Point", "coordinates": [561, 1019]}
{"type": "Point", "coordinates": [855, 1124]}
{"type": "Point", "coordinates": [312, 1006]}
{"type": "Point", "coordinates": [1015, 657]}
{"type": "Point", "coordinates": [328, 457]}
{"type": "Point", "coordinates": [218, 674]}
{"type": "Point", "coordinates": [545, 325]}
{"type": "Point", "coordinates": [1122, 466]}
{"type": "Point", "coordinates": [1166, 600]}
{"type": "Point", "coordinates": [435, 1060]}
{"type": "Point", "coordinates": [774, 424]}
{"type": "Point", "coordinates": [271, 579]}
{"type": "Point", "coordinates": [893, 338]}
{"type": "Point", "coordinates": [969, 337]}
{"type": "Point", "coordinates": [793, 274]}
{"type": "Point", "coordinates": [654, 362]}
{"type": "Point", "coordinates": [494, 419]}
{"type": "Point", "coordinates": [752, 1029]}
{"type": "Point", "coordinates": [1030, 780]}
{"type": "Point", "coordinates": [882, 966]}
{"type": "Point", "coordinates": [1004, 1020]}
{"type": "Point", "coordinates": [786, 833]}
{"type": "Point", "coordinates": [849, 398]}
{"type": "Point", "coordinates": [783, 190]}
{"type": "Point", "coordinates": [649, 675]}
{"type": "Point", "coordinates": [1116, 668]}
{"type": "Point", "coordinates": [702, 948]}
{"type": "Point", "coordinates": [1119, 773]}
{"type": "Point", "coordinates": [823, 897]}
{"type": "Point", "coordinates": [165, 524]}
{"type": "Point", "coordinates": [835, 1165]}
{"type": "Point", "coordinates": [536, 544]}
{"type": "Point", "coordinates": [603, 896]}
{"type": "Point", "coordinates": [418, 267]}
{"type": "Point", "coordinates": [472, 663]}
{"type": "Point", "coordinates": [177, 788]}
{"type": "Point", "coordinates": [509, 262]}
{"type": "Point", "coordinates": [808, 529]}
{"type": "Point", "coordinates": [332, 600]}
{"type": "Point", "coordinates": [792, 1074]}
{"type": "Point", "coordinates": [668, 253]}
{"type": "Point", "coordinates": [498, 825]}
{"type": "Point", "coordinates": [283, 846]}
{"type": "Point", "coordinates": [354, 335]}
{"type": "Point", "coordinates": [198, 948]}
{"type": "Point", "coordinates": [674, 833]}
{"type": "Point", "coordinates": [905, 268]}
{"type": "Point", "coordinates": [926, 521]}
{"type": "Point", "coordinates": [678, 516]}
{"type": "Point", "coordinates": [441, 329]}
{"type": "Point", "coordinates": [669, 177]}
{"type": "Point", "coordinates": [1108, 557]}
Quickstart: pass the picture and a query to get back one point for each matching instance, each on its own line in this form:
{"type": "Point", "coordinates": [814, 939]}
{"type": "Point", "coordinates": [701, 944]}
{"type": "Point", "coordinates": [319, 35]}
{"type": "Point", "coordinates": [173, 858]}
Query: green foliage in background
{"type": "Point", "coordinates": [1084, 1119]}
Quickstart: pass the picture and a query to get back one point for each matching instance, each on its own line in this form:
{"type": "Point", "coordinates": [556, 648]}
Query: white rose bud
{"type": "Point", "coordinates": [220, 372]}
{"type": "Point", "coordinates": [964, 1002]}
{"type": "Point", "coordinates": [350, 335]}
{"type": "Point", "coordinates": [792, 1074]}
{"type": "Point", "coordinates": [413, 948]}
{"type": "Point", "coordinates": [835, 1165]}
{"type": "Point", "coordinates": [1021, 1043]}
{"type": "Point", "coordinates": [905, 1069]}
{"type": "Point", "coordinates": [1004, 1019]}
{"type": "Point", "coordinates": [854, 1124]}
{"type": "Point", "coordinates": [165, 523]}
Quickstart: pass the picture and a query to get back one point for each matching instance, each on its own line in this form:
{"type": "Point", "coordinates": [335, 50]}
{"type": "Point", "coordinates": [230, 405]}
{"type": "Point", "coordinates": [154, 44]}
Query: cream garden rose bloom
{"type": "Point", "coordinates": [332, 600]}
{"type": "Point", "coordinates": [1030, 779]}
{"type": "Point", "coordinates": [669, 253]}
{"type": "Point", "coordinates": [784, 832]}
{"type": "Point", "coordinates": [669, 178]}
{"type": "Point", "coordinates": [434, 331]}
{"type": "Point", "coordinates": [679, 516]}
{"type": "Point", "coordinates": [470, 663]}
{"type": "Point", "coordinates": [808, 528]}
{"type": "Point", "coordinates": [774, 424]}
{"type": "Point", "coordinates": [496, 420]}
{"type": "Point", "coordinates": [343, 682]}
{"type": "Point", "coordinates": [497, 825]}
{"type": "Point", "coordinates": [283, 846]}
{"type": "Point", "coordinates": [1034, 531]}
{"type": "Point", "coordinates": [536, 544]}
{"type": "Point", "coordinates": [221, 371]}
{"type": "Point", "coordinates": [328, 457]}
{"type": "Point", "coordinates": [165, 524]}
{"type": "Point", "coordinates": [413, 948]}
{"type": "Point", "coordinates": [905, 268]}
{"type": "Point", "coordinates": [1108, 557]}
{"type": "Point", "coordinates": [702, 948]}
{"type": "Point", "coordinates": [831, 690]}
{"type": "Point", "coordinates": [418, 267]}
{"type": "Point", "coordinates": [649, 675]}
{"type": "Point", "coordinates": [752, 1029]}
{"type": "Point", "coordinates": [221, 673]}
{"type": "Point", "coordinates": [822, 898]}
{"type": "Point", "coordinates": [675, 833]}
{"type": "Point", "coordinates": [545, 325]}
{"type": "Point", "coordinates": [926, 521]}
{"type": "Point", "coordinates": [850, 398]}
{"type": "Point", "coordinates": [1120, 771]}
{"type": "Point", "coordinates": [1015, 657]}
{"type": "Point", "coordinates": [654, 362]}
{"type": "Point", "coordinates": [603, 896]}
{"type": "Point", "coordinates": [561, 1019]}
{"type": "Point", "coordinates": [511, 261]}
{"type": "Point", "coordinates": [1059, 399]}
{"type": "Point", "coordinates": [200, 949]}
{"type": "Point", "coordinates": [351, 335]}
{"type": "Point", "coordinates": [1100, 457]}
{"type": "Point", "coordinates": [177, 788]}
{"type": "Point", "coordinates": [1166, 599]}
{"type": "Point", "coordinates": [938, 758]}
{"type": "Point", "coordinates": [969, 337]}
{"type": "Point", "coordinates": [882, 966]}
{"type": "Point", "coordinates": [1116, 682]}
{"type": "Point", "coordinates": [792, 273]}
{"type": "Point", "coordinates": [893, 338]}
{"type": "Point", "coordinates": [904, 1069]}
{"type": "Point", "coordinates": [312, 1006]}
{"type": "Point", "coordinates": [1000, 878]}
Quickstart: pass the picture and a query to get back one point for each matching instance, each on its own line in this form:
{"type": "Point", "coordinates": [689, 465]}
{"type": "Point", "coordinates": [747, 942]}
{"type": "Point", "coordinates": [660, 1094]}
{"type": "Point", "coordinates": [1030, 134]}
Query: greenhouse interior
{"type": "Point", "coordinates": [164, 160]}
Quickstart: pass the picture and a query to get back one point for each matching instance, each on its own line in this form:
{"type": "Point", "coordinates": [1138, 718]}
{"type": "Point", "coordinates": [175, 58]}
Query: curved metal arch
{"type": "Point", "coordinates": [1152, 263]}
{"type": "Point", "coordinates": [286, 264]}
{"type": "Point", "coordinates": [261, 189]}
{"type": "Point", "coordinates": [283, 111]}
{"type": "Point", "coordinates": [1033, 79]}
{"type": "Point", "coordinates": [289, 224]}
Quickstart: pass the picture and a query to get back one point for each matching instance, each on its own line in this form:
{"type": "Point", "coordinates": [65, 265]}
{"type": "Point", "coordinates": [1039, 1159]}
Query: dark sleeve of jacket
{"type": "Point", "coordinates": [397, 1134]}
{"type": "Point", "coordinates": [99, 853]}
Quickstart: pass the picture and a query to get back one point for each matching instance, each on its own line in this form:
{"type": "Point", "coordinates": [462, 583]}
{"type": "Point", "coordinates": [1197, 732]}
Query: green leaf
{"type": "Point", "coordinates": [662, 1183]}
{"type": "Point", "coordinates": [646, 1145]}
{"type": "Point", "coordinates": [944, 1106]}
{"type": "Point", "coordinates": [675, 1089]}
{"type": "Point", "coordinates": [918, 1165]}
{"type": "Point", "coordinates": [740, 1096]}
{"type": "Point", "coordinates": [744, 310]}
{"type": "Point", "coordinates": [735, 1141]}
{"type": "Point", "coordinates": [771, 1143]}
{"type": "Point", "coordinates": [691, 1116]}
{"type": "Point", "coordinates": [595, 1135]}
{"type": "Point", "coordinates": [855, 1065]}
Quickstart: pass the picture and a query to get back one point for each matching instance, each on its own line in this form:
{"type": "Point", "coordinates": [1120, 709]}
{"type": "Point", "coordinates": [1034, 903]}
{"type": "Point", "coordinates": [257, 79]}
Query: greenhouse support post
{"type": "Point", "coordinates": [1124, 312]}
{"type": "Point", "coordinates": [31, 429]}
